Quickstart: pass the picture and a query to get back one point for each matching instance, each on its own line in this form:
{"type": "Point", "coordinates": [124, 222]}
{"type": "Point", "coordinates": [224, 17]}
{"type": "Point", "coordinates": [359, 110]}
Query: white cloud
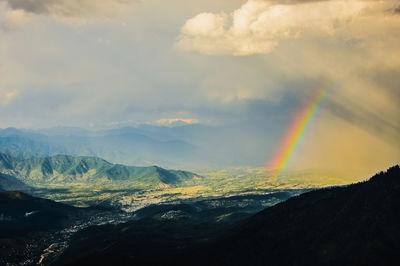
{"type": "Point", "coordinates": [206, 24]}
{"type": "Point", "coordinates": [258, 27]}
{"type": "Point", "coordinates": [170, 121]}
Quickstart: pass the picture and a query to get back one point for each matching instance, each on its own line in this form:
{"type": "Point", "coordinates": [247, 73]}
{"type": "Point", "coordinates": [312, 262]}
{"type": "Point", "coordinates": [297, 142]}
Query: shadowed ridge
{"type": "Point", "coordinates": [8, 182]}
{"type": "Point", "coordinates": [12, 195]}
{"type": "Point", "coordinates": [352, 225]}
{"type": "Point", "coordinates": [392, 175]}
{"type": "Point", "coordinates": [6, 161]}
{"type": "Point", "coordinates": [29, 225]}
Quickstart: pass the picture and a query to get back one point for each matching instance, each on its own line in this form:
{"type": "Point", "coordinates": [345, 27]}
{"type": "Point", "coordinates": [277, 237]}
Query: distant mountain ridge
{"type": "Point", "coordinates": [90, 170]}
{"type": "Point", "coordinates": [195, 145]}
{"type": "Point", "coordinates": [122, 146]}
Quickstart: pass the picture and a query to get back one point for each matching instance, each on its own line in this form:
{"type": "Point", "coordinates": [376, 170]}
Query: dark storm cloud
{"type": "Point", "coordinates": [37, 7]}
{"type": "Point", "coordinates": [61, 7]}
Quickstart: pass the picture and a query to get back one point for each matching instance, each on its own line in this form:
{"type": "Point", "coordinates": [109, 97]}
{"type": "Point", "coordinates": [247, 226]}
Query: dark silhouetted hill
{"type": "Point", "coordinates": [354, 225]}
{"type": "Point", "coordinates": [29, 224]}
{"type": "Point", "coordinates": [11, 183]}
{"type": "Point", "coordinates": [20, 211]}
{"type": "Point", "coordinates": [357, 224]}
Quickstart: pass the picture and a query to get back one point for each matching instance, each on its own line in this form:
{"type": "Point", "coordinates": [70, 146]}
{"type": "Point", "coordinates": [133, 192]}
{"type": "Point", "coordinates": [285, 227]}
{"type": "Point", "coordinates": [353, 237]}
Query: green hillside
{"type": "Point", "coordinates": [65, 169]}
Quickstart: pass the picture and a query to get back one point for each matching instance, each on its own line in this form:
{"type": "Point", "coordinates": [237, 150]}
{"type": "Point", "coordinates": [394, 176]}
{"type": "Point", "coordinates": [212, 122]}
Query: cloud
{"type": "Point", "coordinates": [68, 8]}
{"type": "Point", "coordinates": [258, 27]}
{"type": "Point", "coordinates": [170, 121]}
{"type": "Point", "coordinates": [352, 43]}
{"type": "Point", "coordinates": [11, 19]}
{"type": "Point", "coordinates": [13, 13]}
{"type": "Point", "coordinates": [65, 76]}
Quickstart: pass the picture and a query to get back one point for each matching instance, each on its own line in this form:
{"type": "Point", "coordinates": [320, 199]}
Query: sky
{"type": "Point", "coordinates": [109, 63]}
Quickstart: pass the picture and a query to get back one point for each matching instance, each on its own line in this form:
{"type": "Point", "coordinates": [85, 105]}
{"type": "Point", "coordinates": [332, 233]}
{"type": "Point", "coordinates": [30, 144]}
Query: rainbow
{"type": "Point", "coordinates": [296, 131]}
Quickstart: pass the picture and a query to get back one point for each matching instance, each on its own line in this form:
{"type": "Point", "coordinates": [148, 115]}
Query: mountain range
{"type": "Point", "coordinates": [65, 169]}
{"type": "Point", "coordinates": [192, 146]}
